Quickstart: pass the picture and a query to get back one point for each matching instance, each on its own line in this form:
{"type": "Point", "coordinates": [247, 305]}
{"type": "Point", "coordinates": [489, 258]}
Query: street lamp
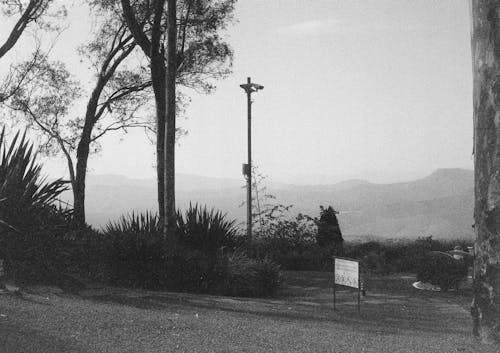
{"type": "Point", "coordinates": [249, 88]}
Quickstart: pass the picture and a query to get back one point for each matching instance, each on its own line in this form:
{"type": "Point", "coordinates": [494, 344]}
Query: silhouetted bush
{"type": "Point", "coordinates": [442, 270]}
{"type": "Point", "coordinates": [329, 235]}
{"type": "Point", "coordinates": [33, 228]}
{"type": "Point", "coordinates": [206, 230]}
{"type": "Point", "coordinates": [136, 255]}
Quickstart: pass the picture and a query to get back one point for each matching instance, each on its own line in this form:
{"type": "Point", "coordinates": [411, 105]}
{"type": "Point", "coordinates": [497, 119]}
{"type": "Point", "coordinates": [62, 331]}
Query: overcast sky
{"type": "Point", "coordinates": [378, 90]}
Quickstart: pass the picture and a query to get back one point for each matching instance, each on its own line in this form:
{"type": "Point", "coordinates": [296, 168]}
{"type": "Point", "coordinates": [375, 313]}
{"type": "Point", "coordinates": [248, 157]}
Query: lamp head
{"type": "Point", "coordinates": [251, 87]}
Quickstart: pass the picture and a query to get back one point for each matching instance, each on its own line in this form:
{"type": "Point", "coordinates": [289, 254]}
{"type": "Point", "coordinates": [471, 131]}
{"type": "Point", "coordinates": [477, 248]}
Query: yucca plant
{"type": "Point", "coordinates": [32, 227]}
{"type": "Point", "coordinates": [135, 251]}
{"type": "Point", "coordinates": [27, 197]}
{"type": "Point", "coordinates": [205, 230]}
{"type": "Point", "coordinates": [134, 223]}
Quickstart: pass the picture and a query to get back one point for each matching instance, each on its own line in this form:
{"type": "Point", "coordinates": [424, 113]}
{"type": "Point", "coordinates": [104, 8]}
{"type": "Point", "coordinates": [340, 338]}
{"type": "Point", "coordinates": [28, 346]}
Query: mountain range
{"type": "Point", "coordinates": [440, 204]}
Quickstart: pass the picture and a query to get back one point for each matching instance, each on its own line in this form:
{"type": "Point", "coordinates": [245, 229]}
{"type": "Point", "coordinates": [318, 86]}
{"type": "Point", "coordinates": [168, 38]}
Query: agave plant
{"type": "Point", "coordinates": [27, 197]}
{"type": "Point", "coordinates": [134, 223]}
{"type": "Point", "coordinates": [205, 230]}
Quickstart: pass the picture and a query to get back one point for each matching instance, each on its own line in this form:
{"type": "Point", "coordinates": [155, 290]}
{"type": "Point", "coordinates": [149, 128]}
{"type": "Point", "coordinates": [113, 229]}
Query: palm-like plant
{"type": "Point", "coordinates": [134, 223]}
{"type": "Point", "coordinates": [205, 230]}
{"type": "Point", "coordinates": [27, 198]}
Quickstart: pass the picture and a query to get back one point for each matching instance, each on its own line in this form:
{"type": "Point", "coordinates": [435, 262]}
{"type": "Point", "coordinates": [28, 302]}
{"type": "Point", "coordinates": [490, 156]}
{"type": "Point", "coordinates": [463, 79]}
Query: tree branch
{"type": "Point", "coordinates": [30, 14]}
{"type": "Point", "coordinates": [134, 27]}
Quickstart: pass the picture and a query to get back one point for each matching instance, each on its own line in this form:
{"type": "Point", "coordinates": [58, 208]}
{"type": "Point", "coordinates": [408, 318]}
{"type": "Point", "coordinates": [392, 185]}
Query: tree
{"type": "Point", "coordinates": [169, 142]}
{"type": "Point", "coordinates": [329, 234]}
{"type": "Point", "coordinates": [122, 87]}
{"type": "Point", "coordinates": [486, 99]}
{"type": "Point", "coordinates": [118, 93]}
{"type": "Point", "coordinates": [29, 14]}
{"type": "Point", "coordinates": [196, 54]}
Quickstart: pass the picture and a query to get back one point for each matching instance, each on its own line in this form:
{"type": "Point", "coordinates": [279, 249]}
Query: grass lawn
{"type": "Point", "coordinates": [394, 318]}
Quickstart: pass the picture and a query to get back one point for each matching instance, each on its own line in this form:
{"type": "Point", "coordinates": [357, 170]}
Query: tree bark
{"type": "Point", "coordinates": [170, 217]}
{"type": "Point", "coordinates": [485, 308]}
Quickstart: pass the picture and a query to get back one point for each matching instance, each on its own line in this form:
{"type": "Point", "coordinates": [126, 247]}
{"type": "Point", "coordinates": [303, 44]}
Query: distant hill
{"type": "Point", "coordinates": [440, 204]}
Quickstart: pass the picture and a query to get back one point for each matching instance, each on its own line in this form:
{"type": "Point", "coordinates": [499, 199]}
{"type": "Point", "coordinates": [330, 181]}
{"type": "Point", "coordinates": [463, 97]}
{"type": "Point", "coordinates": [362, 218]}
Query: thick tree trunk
{"type": "Point", "coordinates": [169, 228]}
{"type": "Point", "coordinates": [486, 69]}
{"type": "Point", "coordinates": [82, 154]}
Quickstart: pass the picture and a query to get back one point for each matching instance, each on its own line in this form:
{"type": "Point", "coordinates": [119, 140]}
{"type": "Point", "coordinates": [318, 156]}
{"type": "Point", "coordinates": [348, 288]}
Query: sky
{"type": "Point", "coordinates": [368, 89]}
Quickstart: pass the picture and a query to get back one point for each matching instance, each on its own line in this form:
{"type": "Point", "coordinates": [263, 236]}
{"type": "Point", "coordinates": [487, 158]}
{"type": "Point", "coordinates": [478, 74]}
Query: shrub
{"type": "Point", "coordinates": [251, 277]}
{"type": "Point", "coordinates": [134, 252]}
{"type": "Point", "coordinates": [32, 226]}
{"type": "Point", "coordinates": [26, 198]}
{"type": "Point", "coordinates": [196, 271]}
{"type": "Point", "coordinates": [206, 231]}
{"type": "Point", "coordinates": [329, 234]}
{"type": "Point", "coordinates": [442, 270]}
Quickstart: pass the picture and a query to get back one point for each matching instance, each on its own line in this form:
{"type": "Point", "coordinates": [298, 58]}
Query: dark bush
{"type": "Point", "coordinates": [329, 235]}
{"type": "Point", "coordinates": [442, 270]}
{"type": "Point", "coordinates": [206, 230]}
{"type": "Point", "coordinates": [33, 228]}
{"type": "Point", "coordinates": [26, 198]}
{"type": "Point", "coordinates": [136, 254]}
{"type": "Point", "coordinates": [251, 277]}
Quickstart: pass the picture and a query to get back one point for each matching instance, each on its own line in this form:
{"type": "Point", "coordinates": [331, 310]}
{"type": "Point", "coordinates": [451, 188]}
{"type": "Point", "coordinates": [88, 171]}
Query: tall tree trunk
{"type": "Point", "coordinates": [486, 69]}
{"type": "Point", "coordinates": [82, 154]}
{"type": "Point", "coordinates": [158, 77]}
{"type": "Point", "coordinates": [169, 228]}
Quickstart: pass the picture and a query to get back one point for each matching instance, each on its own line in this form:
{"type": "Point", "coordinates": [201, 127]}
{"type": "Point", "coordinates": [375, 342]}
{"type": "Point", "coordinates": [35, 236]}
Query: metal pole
{"type": "Point", "coordinates": [249, 175]}
{"type": "Point", "coordinates": [334, 294]}
{"type": "Point", "coordinates": [359, 290]}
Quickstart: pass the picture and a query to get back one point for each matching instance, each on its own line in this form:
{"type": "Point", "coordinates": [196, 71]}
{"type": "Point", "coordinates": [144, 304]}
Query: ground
{"type": "Point", "coordinates": [394, 318]}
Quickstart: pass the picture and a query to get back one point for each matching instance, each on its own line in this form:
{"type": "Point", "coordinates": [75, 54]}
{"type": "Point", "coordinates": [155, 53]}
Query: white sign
{"type": "Point", "coordinates": [346, 273]}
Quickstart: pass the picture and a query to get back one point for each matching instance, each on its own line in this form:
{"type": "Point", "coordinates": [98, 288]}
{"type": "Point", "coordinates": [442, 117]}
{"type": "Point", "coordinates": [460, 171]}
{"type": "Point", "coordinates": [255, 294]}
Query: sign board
{"type": "Point", "coordinates": [2, 271]}
{"type": "Point", "coordinates": [346, 272]}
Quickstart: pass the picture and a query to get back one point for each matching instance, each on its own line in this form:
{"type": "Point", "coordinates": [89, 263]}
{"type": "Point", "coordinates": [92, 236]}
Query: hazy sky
{"type": "Point", "coordinates": [379, 90]}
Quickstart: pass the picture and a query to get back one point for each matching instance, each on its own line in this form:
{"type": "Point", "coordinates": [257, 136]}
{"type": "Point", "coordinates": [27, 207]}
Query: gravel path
{"type": "Point", "coordinates": [302, 320]}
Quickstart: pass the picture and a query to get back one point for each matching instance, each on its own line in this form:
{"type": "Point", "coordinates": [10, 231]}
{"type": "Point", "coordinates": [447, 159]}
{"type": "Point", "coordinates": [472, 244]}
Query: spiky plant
{"type": "Point", "coordinates": [27, 197]}
{"type": "Point", "coordinates": [205, 230]}
{"type": "Point", "coordinates": [135, 251]}
{"type": "Point", "coordinates": [134, 223]}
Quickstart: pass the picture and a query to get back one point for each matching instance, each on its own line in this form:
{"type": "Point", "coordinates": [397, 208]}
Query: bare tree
{"type": "Point", "coordinates": [486, 69]}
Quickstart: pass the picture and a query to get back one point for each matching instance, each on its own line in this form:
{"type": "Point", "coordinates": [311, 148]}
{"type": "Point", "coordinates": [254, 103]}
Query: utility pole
{"type": "Point", "coordinates": [249, 88]}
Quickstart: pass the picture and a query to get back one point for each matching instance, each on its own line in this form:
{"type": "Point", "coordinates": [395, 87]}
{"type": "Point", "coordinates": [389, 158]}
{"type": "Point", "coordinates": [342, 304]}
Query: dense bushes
{"type": "Point", "coordinates": [251, 277]}
{"type": "Point", "coordinates": [32, 228]}
{"type": "Point", "coordinates": [442, 270]}
{"type": "Point", "coordinates": [40, 244]}
{"type": "Point", "coordinates": [379, 257]}
{"type": "Point", "coordinates": [204, 261]}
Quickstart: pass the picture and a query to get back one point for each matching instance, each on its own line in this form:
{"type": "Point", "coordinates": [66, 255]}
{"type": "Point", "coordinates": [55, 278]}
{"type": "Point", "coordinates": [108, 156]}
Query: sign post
{"type": "Point", "coordinates": [346, 273]}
